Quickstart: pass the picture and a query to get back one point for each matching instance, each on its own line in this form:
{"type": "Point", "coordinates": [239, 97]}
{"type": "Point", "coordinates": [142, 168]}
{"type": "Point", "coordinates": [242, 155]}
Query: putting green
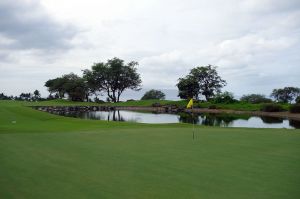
{"type": "Point", "coordinates": [48, 156]}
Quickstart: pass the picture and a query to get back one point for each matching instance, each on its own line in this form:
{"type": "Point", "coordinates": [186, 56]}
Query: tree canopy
{"type": "Point", "coordinates": [225, 97]}
{"type": "Point", "coordinates": [153, 94]}
{"type": "Point", "coordinates": [36, 95]}
{"type": "Point", "coordinates": [188, 87]}
{"type": "Point", "coordinates": [286, 94]}
{"type": "Point", "coordinates": [113, 77]}
{"type": "Point", "coordinates": [255, 98]}
{"type": "Point", "coordinates": [70, 84]}
{"type": "Point", "coordinates": [4, 97]}
{"type": "Point", "coordinates": [202, 80]}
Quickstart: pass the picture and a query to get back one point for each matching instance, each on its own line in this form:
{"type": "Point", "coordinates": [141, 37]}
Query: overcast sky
{"type": "Point", "coordinates": [254, 43]}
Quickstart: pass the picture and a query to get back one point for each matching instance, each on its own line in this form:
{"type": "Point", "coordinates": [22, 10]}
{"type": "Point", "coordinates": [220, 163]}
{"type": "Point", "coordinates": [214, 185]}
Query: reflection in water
{"type": "Point", "coordinates": [188, 118]}
{"type": "Point", "coordinates": [271, 120]}
{"type": "Point", "coordinates": [211, 119]}
{"type": "Point", "coordinates": [208, 119]}
{"type": "Point", "coordinates": [295, 124]}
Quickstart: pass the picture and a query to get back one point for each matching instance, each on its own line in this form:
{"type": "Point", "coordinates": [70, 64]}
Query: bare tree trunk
{"type": "Point", "coordinates": [206, 97]}
{"type": "Point", "coordinates": [114, 99]}
{"type": "Point", "coordinates": [119, 94]}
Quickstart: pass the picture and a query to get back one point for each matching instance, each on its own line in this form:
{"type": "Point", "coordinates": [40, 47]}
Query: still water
{"type": "Point", "coordinates": [220, 119]}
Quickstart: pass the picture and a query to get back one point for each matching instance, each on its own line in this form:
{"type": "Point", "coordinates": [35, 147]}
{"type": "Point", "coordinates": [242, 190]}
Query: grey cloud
{"type": "Point", "coordinates": [27, 26]}
{"type": "Point", "coordinates": [270, 6]}
{"type": "Point", "coordinates": [254, 43]}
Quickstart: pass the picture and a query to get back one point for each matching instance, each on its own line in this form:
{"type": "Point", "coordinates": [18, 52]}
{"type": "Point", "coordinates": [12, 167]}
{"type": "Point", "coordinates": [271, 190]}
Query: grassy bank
{"type": "Point", "coordinates": [240, 106]}
{"type": "Point", "coordinates": [48, 156]}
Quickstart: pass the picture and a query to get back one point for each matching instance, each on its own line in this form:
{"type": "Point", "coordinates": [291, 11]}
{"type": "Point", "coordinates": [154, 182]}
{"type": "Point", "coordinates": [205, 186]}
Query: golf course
{"type": "Point", "coordinates": [49, 156]}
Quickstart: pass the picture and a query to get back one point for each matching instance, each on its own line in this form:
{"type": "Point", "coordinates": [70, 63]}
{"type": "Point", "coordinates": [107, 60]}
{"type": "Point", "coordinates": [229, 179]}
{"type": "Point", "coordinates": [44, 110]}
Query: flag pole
{"type": "Point", "coordinates": [193, 122]}
{"type": "Point", "coordinates": [191, 105]}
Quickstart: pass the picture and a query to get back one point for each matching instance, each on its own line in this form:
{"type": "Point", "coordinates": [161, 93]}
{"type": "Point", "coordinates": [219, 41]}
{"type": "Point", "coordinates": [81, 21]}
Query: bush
{"type": "Point", "coordinates": [226, 98]}
{"type": "Point", "coordinates": [295, 108]}
{"type": "Point", "coordinates": [271, 108]}
{"type": "Point", "coordinates": [97, 100]}
{"type": "Point", "coordinates": [298, 100]}
{"type": "Point", "coordinates": [255, 99]}
{"type": "Point", "coordinates": [156, 104]}
{"type": "Point", "coordinates": [212, 106]}
{"type": "Point", "coordinates": [153, 94]}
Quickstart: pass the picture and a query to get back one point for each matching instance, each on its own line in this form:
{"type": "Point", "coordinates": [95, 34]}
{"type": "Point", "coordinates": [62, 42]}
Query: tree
{"type": "Point", "coordinates": [4, 97]}
{"type": "Point", "coordinates": [113, 77]}
{"type": "Point", "coordinates": [286, 94]}
{"type": "Point", "coordinates": [188, 87]}
{"type": "Point", "coordinates": [202, 80]}
{"type": "Point", "coordinates": [225, 97]}
{"type": "Point", "coordinates": [153, 94]}
{"type": "Point", "coordinates": [70, 84]}
{"type": "Point", "coordinates": [75, 87]}
{"type": "Point", "coordinates": [36, 95]}
{"type": "Point", "coordinates": [298, 100]}
{"type": "Point", "coordinates": [25, 96]}
{"type": "Point", "coordinates": [255, 98]}
{"type": "Point", "coordinates": [56, 86]}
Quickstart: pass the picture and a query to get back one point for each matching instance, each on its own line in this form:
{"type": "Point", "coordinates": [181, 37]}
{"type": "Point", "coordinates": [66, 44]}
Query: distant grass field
{"type": "Point", "coordinates": [49, 156]}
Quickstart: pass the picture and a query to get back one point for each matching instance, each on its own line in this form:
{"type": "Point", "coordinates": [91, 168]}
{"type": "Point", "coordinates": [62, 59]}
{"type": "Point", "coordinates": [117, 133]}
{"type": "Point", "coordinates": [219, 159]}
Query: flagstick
{"type": "Point", "coordinates": [191, 105]}
{"type": "Point", "coordinates": [193, 123]}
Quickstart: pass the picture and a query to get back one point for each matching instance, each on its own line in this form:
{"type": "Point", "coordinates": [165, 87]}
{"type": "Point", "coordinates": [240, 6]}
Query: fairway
{"type": "Point", "coordinates": [49, 156]}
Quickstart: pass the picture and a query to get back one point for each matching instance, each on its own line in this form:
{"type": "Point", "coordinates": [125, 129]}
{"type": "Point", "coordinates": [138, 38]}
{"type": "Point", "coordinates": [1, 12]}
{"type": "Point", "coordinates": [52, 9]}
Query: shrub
{"type": "Point", "coordinates": [255, 99]}
{"type": "Point", "coordinates": [298, 100]}
{"type": "Point", "coordinates": [153, 94]}
{"type": "Point", "coordinates": [97, 100]}
{"type": "Point", "coordinates": [295, 108]}
{"type": "Point", "coordinates": [156, 104]}
{"type": "Point", "coordinates": [212, 106]}
{"type": "Point", "coordinates": [172, 105]}
{"type": "Point", "coordinates": [225, 97]}
{"type": "Point", "coordinates": [271, 107]}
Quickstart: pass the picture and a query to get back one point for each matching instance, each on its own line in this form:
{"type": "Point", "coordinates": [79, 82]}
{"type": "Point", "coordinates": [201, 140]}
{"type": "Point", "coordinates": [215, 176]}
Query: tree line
{"type": "Point", "coordinates": [113, 77]}
{"type": "Point", "coordinates": [35, 96]}
{"type": "Point", "coordinates": [205, 81]}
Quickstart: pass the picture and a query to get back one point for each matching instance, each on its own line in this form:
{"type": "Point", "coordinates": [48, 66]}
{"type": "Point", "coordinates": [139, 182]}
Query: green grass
{"type": "Point", "coordinates": [48, 156]}
{"type": "Point", "coordinates": [241, 106]}
{"type": "Point", "coordinates": [60, 102]}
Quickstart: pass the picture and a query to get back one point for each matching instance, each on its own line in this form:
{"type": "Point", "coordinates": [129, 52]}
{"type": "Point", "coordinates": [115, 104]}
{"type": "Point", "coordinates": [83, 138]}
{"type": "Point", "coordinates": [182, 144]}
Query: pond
{"type": "Point", "coordinates": [208, 119]}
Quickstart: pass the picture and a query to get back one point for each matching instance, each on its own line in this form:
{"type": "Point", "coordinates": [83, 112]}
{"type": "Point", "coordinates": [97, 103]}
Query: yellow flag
{"type": "Point", "coordinates": [190, 104]}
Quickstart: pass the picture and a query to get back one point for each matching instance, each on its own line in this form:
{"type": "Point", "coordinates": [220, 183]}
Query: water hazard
{"type": "Point", "coordinates": [208, 119]}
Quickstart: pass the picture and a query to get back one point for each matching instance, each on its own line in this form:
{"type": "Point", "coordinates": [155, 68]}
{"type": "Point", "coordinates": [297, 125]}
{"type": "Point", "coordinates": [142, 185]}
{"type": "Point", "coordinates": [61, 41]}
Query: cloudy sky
{"type": "Point", "coordinates": [254, 43]}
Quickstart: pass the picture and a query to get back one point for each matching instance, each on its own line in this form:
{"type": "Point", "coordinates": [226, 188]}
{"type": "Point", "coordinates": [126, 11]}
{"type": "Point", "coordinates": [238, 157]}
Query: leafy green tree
{"type": "Point", "coordinates": [188, 87]}
{"type": "Point", "coordinates": [298, 100]}
{"type": "Point", "coordinates": [4, 97]}
{"type": "Point", "coordinates": [24, 96]}
{"type": "Point", "coordinates": [75, 87]}
{"type": "Point", "coordinates": [255, 99]}
{"type": "Point", "coordinates": [286, 94]}
{"type": "Point", "coordinates": [225, 97]}
{"type": "Point", "coordinates": [202, 80]}
{"type": "Point", "coordinates": [36, 95]}
{"type": "Point", "coordinates": [113, 77]}
{"type": "Point", "coordinates": [56, 86]}
{"type": "Point", "coordinates": [70, 84]}
{"type": "Point", "coordinates": [153, 94]}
